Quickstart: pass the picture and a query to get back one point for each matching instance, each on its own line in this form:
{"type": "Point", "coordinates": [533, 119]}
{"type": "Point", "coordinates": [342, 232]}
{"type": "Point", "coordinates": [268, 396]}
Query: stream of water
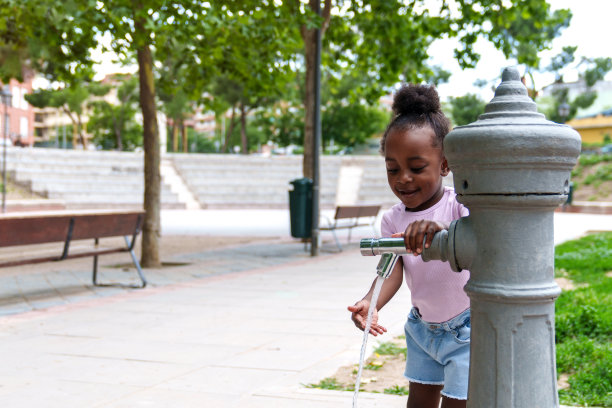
{"type": "Point", "coordinates": [366, 331]}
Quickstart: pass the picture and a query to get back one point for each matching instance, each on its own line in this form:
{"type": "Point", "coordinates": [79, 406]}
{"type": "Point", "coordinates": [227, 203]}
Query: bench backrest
{"type": "Point", "coordinates": [33, 228]}
{"type": "Point", "coordinates": [356, 211]}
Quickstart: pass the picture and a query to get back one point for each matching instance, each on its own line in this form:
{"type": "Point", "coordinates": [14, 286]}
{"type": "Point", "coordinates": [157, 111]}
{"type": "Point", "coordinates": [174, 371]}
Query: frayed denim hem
{"type": "Point", "coordinates": [423, 381]}
{"type": "Point", "coordinates": [453, 396]}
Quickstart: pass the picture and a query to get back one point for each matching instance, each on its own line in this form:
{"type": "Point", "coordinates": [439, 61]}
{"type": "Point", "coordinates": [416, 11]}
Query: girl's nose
{"type": "Point", "coordinates": [406, 176]}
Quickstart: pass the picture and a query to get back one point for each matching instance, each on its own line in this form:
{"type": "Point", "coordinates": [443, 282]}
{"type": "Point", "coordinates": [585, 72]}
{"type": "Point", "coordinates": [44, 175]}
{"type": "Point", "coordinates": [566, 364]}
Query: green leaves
{"type": "Point", "coordinates": [466, 109]}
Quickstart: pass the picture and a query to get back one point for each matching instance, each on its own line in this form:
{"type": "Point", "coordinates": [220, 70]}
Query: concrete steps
{"type": "Point", "coordinates": [234, 181]}
{"type": "Point", "coordinates": [85, 179]}
{"type": "Point", "coordinates": [100, 179]}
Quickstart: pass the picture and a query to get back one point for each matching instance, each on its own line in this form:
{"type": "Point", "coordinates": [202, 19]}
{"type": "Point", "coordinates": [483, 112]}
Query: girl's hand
{"type": "Point", "coordinates": [420, 231]}
{"type": "Point", "coordinates": [359, 315]}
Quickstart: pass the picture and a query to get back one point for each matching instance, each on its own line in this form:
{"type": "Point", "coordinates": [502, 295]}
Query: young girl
{"type": "Point", "coordinates": [438, 326]}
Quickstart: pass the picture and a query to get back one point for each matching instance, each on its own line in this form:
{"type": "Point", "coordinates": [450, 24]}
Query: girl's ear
{"type": "Point", "coordinates": [444, 170]}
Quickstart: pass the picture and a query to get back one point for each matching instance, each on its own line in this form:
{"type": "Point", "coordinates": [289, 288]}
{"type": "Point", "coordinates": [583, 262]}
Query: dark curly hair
{"type": "Point", "coordinates": [415, 106]}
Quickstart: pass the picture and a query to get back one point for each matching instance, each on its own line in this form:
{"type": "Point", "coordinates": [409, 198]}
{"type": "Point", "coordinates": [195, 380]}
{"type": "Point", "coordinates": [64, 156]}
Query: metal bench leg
{"type": "Point", "coordinates": [95, 263]}
{"type": "Point", "coordinates": [337, 240]}
{"type": "Point", "coordinates": [135, 261]}
{"type": "Point", "coordinates": [130, 249]}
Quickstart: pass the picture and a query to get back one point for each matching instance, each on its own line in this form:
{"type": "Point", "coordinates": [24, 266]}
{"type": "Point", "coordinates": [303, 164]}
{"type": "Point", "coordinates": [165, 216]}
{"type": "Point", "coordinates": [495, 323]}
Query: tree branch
{"type": "Point", "coordinates": [326, 16]}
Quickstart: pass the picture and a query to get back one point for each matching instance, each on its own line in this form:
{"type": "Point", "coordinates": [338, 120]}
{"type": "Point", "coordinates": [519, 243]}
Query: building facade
{"type": "Point", "coordinates": [17, 119]}
{"type": "Point", "coordinates": [594, 128]}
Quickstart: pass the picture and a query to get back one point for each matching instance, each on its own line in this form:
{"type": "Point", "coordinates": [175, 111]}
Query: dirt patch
{"type": "Point", "coordinates": [562, 382]}
{"type": "Point", "coordinates": [15, 191]}
{"type": "Point", "coordinates": [389, 372]}
{"type": "Point", "coordinates": [565, 284]}
{"type": "Point", "coordinates": [599, 189]}
{"type": "Point", "coordinates": [602, 192]}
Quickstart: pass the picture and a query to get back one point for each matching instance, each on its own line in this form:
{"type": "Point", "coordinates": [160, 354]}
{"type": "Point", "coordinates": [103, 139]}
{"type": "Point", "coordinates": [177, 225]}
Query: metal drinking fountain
{"type": "Point", "coordinates": [511, 169]}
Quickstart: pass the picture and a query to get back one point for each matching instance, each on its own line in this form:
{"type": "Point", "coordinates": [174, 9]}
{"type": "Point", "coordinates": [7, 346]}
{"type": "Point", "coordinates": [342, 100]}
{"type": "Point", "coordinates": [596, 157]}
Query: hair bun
{"type": "Point", "coordinates": [416, 100]}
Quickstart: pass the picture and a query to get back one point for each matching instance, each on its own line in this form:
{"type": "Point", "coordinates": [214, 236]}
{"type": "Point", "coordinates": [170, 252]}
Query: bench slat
{"type": "Point", "coordinates": [26, 231]}
{"type": "Point", "coordinates": [19, 229]}
{"type": "Point", "coordinates": [356, 211]}
{"type": "Point", "coordinates": [110, 225]}
{"type": "Point", "coordinates": [45, 228]}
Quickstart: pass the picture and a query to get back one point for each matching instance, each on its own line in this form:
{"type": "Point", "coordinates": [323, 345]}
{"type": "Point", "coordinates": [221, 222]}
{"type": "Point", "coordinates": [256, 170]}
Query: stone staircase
{"type": "Point", "coordinates": [84, 179]}
{"type": "Point", "coordinates": [234, 181]}
{"type": "Point", "coordinates": [102, 179]}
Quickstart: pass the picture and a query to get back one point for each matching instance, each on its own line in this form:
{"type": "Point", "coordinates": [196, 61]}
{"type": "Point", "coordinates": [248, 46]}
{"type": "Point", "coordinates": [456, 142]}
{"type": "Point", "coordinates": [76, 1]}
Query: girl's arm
{"type": "Point", "coordinates": [359, 311]}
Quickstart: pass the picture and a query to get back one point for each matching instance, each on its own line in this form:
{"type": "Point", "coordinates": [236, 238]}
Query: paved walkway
{"type": "Point", "coordinates": [245, 327]}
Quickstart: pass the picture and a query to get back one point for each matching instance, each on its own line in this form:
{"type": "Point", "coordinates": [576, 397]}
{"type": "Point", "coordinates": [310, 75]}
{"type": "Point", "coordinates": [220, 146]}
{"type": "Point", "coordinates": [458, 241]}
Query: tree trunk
{"type": "Point", "coordinates": [74, 126]}
{"type": "Point", "coordinates": [152, 155]}
{"type": "Point", "coordinates": [184, 137]}
{"type": "Point", "coordinates": [243, 134]}
{"type": "Point", "coordinates": [310, 43]}
{"type": "Point", "coordinates": [229, 131]}
{"type": "Point", "coordinates": [309, 101]}
{"type": "Point", "coordinates": [118, 135]}
{"type": "Point", "coordinates": [81, 132]}
{"type": "Point", "coordinates": [174, 135]}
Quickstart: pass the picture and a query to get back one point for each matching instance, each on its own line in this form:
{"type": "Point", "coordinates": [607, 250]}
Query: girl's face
{"type": "Point", "coordinates": [415, 167]}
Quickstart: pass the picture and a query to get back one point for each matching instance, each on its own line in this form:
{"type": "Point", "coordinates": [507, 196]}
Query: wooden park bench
{"type": "Point", "coordinates": [349, 217]}
{"type": "Point", "coordinates": [24, 229]}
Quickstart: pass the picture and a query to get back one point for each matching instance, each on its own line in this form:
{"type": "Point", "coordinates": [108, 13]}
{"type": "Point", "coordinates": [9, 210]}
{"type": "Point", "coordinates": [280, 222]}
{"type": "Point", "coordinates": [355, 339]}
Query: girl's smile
{"type": "Point", "coordinates": [415, 167]}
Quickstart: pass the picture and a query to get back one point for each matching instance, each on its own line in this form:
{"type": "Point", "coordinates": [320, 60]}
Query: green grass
{"type": "Point", "coordinates": [590, 159]}
{"type": "Point", "coordinates": [373, 366]}
{"type": "Point", "coordinates": [330, 383]}
{"type": "Point", "coordinates": [396, 390]}
{"type": "Point", "coordinates": [584, 321]}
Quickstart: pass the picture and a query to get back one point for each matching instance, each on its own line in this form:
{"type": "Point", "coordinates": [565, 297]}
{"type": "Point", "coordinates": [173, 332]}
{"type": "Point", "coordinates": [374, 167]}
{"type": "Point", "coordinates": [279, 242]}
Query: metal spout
{"type": "Point", "coordinates": [455, 246]}
{"type": "Point", "coordinates": [379, 246]}
{"type": "Point", "coordinates": [386, 264]}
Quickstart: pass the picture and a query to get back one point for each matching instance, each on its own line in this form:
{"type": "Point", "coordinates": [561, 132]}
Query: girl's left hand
{"type": "Point", "coordinates": [419, 231]}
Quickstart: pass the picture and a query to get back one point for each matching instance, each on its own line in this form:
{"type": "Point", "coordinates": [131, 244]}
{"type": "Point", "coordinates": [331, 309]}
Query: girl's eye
{"type": "Point", "coordinates": [418, 170]}
{"type": "Point", "coordinates": [391, 171]}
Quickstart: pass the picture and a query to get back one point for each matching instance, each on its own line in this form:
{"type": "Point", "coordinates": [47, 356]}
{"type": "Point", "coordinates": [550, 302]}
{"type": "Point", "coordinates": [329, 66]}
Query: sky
{"type": "Point", "coordinates": [589, 30]}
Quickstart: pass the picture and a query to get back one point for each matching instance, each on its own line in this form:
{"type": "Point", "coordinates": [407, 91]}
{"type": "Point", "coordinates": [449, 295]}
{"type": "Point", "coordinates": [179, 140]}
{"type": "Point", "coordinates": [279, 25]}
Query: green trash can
{"type": "Point", "coordinates": [300, 208]}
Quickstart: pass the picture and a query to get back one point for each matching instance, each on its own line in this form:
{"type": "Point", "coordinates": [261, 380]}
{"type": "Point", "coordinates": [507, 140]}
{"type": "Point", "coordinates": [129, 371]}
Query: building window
{"type": "Point", "coordinates": [23, 128]}
{"type": "Point", "coordinates": [16, 96]}
{"type": "Point", "coordinates": [24, 103]}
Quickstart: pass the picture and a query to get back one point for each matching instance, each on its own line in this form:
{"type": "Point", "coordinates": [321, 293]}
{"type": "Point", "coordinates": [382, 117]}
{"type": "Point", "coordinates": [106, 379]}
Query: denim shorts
{"type": "Point", "coordinates": [439, 353]}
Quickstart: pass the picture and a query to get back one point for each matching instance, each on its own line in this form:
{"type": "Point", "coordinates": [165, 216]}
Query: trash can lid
{"type": "Point", "coordinates": [301, 181]}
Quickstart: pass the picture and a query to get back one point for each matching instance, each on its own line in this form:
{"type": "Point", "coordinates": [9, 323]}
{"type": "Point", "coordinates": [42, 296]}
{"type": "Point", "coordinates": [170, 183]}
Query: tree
{"type": "Point", "coordinates": [590, 71]}
{"type": "Point", "coordinates": [46, 38]}
{"type": "Point", "coordinates": [72, 100]}
{"type": "Point", "coordinates": [466, 109]}
{"type": "Point", "coordinates": [256, 69]}
{"type": "Point", "coordinates": [346, 120]}
{"type": "Point", "coordinates": [386, 41]}
{"type": "Point", "coordinates": [114, 125]}
{"type": "Point", "coordinates": [178, 90]}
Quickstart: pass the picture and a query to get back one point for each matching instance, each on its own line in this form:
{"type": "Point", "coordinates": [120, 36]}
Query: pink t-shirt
{"type": "Point", "coordinates": [435, 289]}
